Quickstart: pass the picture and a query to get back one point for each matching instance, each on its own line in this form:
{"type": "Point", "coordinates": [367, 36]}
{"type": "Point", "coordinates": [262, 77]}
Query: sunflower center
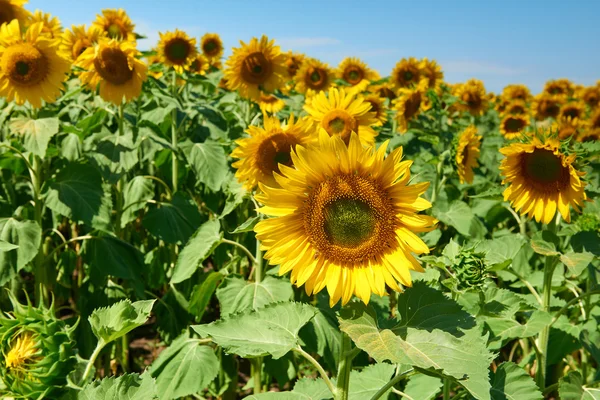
{"type": "Point", "coordinates": [256, 69]}
{"type": "Point", "coordinates": [7, 13]}
{"type": "Point", "coordinates": [114, 31]}
{"type": "Point", "coordinates": [292, 66]}
{"type": "Point", "coordinates": [544, 170]}
{"type": "Point", "coordinates": [374, 107]}
{"type": "Point", "coordinates": [275, 150]}
{"type": "Point", "coordinates": [513, 125]}
{"type": "Point", "coordinates": [112, 65]}
{"type": "Point", "coordinates": [339, 122]}
{"type": "Point", "coordinates": [24, 64]}
{"type": "Point", "coordinates": [210, 47]}
{"type": "Point", "coordinates": [317, 79]}
{"type": "Point", "coordinates": [412, 105]}
{"type": "Point", "coordinates": [473, 100]}
{"type": "Point", "coordinates": [177, 51]}
{"type": "Point", "coordinates": [348, 222]}
{"type": "Point", "coordinates": [408, 75]}
{"type": "Point", "coordinates": [387, 92]}
{"type": "Point", "coordinates": [572, 112]}
{"type": "Point", "coordinates": [353, 75]}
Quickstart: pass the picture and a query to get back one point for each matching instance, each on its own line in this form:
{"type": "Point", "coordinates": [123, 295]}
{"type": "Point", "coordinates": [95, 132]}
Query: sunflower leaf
{"type": "Point", "coordinates": [36, 133]}
{"type": "Point", "coordinates": [209, 163]}
{"type": "Point", "coordinates": [511, 382]}
{"type": "Point", "coordinates": [130, 386]}
{"type": "Point", "coordinates": [570, 387]}
{"type": "Point", "coordinates": [111, 323]}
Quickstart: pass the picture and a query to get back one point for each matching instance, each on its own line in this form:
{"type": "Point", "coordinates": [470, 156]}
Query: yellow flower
{"type": "Point", "coordinates": [467, 153]}
{"type": "Point", "coordinates": [591, 96]}
{"type": "Point", "coordinates": [574, 109]}
{"type": "Point", "coordinates": [270, 103]}
{"type": "Point", "coordinates": [383, 90]}
{"type": "Point", "coordinates": [31, 68]}
{"type": "Point", "coordinates": [516, 92]}
{"type": "Point", "coordinates": [407, 73]}
{"type": "Point", "coordinates": [472, 97]}
{"type": "Point", "coordinates": [13, 9]}
{"type": "Point", "coordinates": [116, 24]}
{"type": "Point", "coordinates": [356, 73]}
{"type": "Point", "coordinates": [589, 135]}
{"type": "Point", "coordinates": [51, 25]}
{"type": "Point", "coordinates": [22, 351]}
{"type": "Point", "coordinates": [563, 87]}
{"type": "Point", "coordinates": [293, 62]}
{"type": "Point", "coordinates": [153, 63]}
{"type": "Point", "coordinates": [345, 220]}
{"type": "Point", "coordinates": [541, 180]}
{"type": "Point", "coordinates": [267, 149]}
{"type": "Point", "coordinates": [516, 107]}
{"type": "Point", "coordinates": [546, 106]}
{"type": "Point", "coordinates": [342, 113]}
{"type": "Point", "coordinates": [200, 65]}
{"type": "Point", "coordinates": [409, 104]}
{"type": "Point", "coordinates": [258, 65]}
{"type": "Point", "coordinates": [570, 127]}
{"type": "Point", "coordinates": [513, 126]}
{"type": "Point", "coordinates": [212, 46]}
{"type": "Point", "coordinates": [313, 77]}
{"type": "Point", "coordinates": [113, 66]}
{"type": "Point", "coordinates": [76, 40]}
{"type": "Point", "coordinates": [378, 107]}
{"type": "Point", "coordinates": [176, 49]}
{"type": "Point", "coordinates": [431, 70]}
{"type": "Point", "coordinates": [595, 119]}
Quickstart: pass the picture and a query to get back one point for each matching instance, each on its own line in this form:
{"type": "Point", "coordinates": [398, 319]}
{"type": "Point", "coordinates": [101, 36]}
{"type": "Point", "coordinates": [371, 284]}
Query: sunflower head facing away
{"type": "Point", "coordinates": [255, 67]}
{"type": "Point", "coordinates": [339, 113]}
{"type": "Point", "coordinates": [211, 46]}
{"type": "Point", "coordinates": [541, 179]}
{"type": "Point", "coordinates": [409, 104]}
{"type": "Point", "coordinates": [467, 154]}
{"type": "Point", "coordinates": [13, 9]}
{"type": "Point", "coordinates": [356, 73]}
{"type": "Point", "coordinates": [267, 149]}
{"type": "Point", "coordinates": [51, 25]}
{"type": "Point", "coordinates": [472, 97]}
{"type": "Point", "coordinates": [345, 219]}
{"type": "Point", "coordinates": [407, 73]}
{"type": "Point", "coordinates": [113, 66]}
{"type": "Point", "coordinates": [116, 24]}
{"type": "Point", "coordinates": [77, 39]}
{"type": "Point", "coordinates": [513, 126]}
{"type": "Point", "coordinates": [546, 106]}
{"type": "Point", "coordinates": [313, 77]}
{"type": "Point", "coordinates": [293, 62]}
{"type": "Point", "coordinates": [176, 49]}
{"type": "Point", "coordinates": [31, 68]}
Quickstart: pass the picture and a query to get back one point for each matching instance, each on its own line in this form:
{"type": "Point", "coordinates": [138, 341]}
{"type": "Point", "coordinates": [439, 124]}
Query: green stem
{"type": "Point", "coordinates": [241, 246]}
{"type": "Point", "coordinates": [41, 277]}
{"type": "Point", "coordinates": [256, 364]}
{"type": "Point", "coordinates": [175, 165]}
{"type": "Point", "coordinates": [447, 388]}
{"type": "Point", "coordinates": [125, 353]}
{"type": "Point", "coordinates": [438, 173]}
{"type": "Point", "coordinates": [318, 366]}
{"type": "Point", "coordinates": [344, 368]}
{"type": "Point", "coordinates": [570, 303]}
{"type": "Point", "coordinates": [88, 368]}
{"type": "Point", "coordinates": [121, 181]}
{"type": "Point", "coordinates": [390, 384]}
{"type": "Point", "coordinates": [258, 263]}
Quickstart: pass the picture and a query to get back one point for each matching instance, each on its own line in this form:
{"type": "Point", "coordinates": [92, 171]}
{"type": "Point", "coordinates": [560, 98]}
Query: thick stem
{"type": "Point", "coordinates": [256, 364]}
{"type": "Point", "coordinates": [88, 368]}
{"type": "Point", "coordinates": [41, 279]}
{"type": "Point", "coordinates": [125, 353]}
{"type": "Point", "coordinates": [344, 368]}
{"type": "Point", "coordinates": [447, 388]}
{"type": "Point", "coordinates": [121, 181]}
{"type": "Point", "coordinates": [174, 139]}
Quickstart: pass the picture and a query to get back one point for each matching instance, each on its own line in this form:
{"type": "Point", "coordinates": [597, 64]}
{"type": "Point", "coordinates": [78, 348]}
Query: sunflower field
{"type": "Point", "coordinates": [175, 224]}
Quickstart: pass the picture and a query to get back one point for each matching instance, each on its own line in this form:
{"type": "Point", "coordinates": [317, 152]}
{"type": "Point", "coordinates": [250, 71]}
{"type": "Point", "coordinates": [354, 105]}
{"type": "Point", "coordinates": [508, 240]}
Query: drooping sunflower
{"type": "Point", "coordinates": [113, 65]}
{"type": "Point", "coordinates": [407, 73]}
{"type": "Point", "coordinates": [31, 68]}
{"type": "Point", "coordinates": [13, 9]}
{"type": "Point", "coordinates": [267, 149]}
{"type": "Point", "coordinates": [409, 104]}
{"type": "Point", "coordinates": [77, 39]}
{"type": "Point", "coordinates": [589, 135]}
{"type": "Point", "coordinates": [546, 106]}
{"type": "Point", "coordinates": [472, 97]}
{"type": "Point", "coordinates": [467, 153]}
{"type": "Point", "coordinates": [212, 46]}
{"type": "Point", "coordinates": [573, 109]}
{"type": "Point", "coordinates": [345, 220]}
{"type": "Point", "coordinates": [383, 90]}
{"type": "Point", "coordinates": [356, 73]}
{"type": "Point", "coordinates": [116, 24]}
{"type": "Point", "coordinates": [313, 77]}
{"type": "Point", "coordinates": [541, 179]}
{"type": "Point", "coordinates": [293, 62]}
{"type": "Point", "coordinates": [378, 107]}
{"type": "Point", "coordinates": [513, 126]}
{"type": "Point", "coordinates": [590, 95]}
{"type": "Point", "coordinates": [176, 49]}
{"type": "Point", "coordinates": [433, 72]}
{"type": "Point", "coordinates": [52, 26]}
{"type": "Point", "coordinates": [562, 87]}
{"type": "Point", "coordinates": [270, 103]}
{"type": "Point", "coordinates": [516, 92]}
{"type": "Point", "coordinates": [255, 67]}
{"type": "Point", "coordinates": [340, 113]}
{"type": "Point", "coordinates": [200, 65]}
{"type": "Point", "coordinates": [516, 107]}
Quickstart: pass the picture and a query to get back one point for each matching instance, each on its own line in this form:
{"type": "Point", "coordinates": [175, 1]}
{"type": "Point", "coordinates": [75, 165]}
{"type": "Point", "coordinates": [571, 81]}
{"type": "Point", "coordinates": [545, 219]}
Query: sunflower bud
{"type": "Point", "coordinates": [470, 270]}
{"type": "Point", "coordinates": [36, 352]}
{"type": "Point", "coordinates": [589, 222]}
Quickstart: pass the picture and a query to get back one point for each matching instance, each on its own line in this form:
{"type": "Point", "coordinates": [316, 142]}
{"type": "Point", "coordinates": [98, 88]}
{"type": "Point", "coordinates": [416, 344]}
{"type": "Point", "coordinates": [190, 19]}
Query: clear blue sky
{"type": "Point", "coordinates": [499, 42]}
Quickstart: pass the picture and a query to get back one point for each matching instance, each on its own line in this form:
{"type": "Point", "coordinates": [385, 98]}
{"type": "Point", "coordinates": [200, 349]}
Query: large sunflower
{"type": "Point", "coordinates": [467, 154]}
{"type": "Point", "coordinates": [293, 62]}
{"type": "Point", "coordinates": [77, 39]}
{"type": "Point", "coordinates": [407, 73]}
{"type": "Point", "coordinates": [116, 24]}
{"type": "Point", "coordinates": [342, 113]}
{"type": "Point", "coordinates": [574, 109]}
{"type": "Point", "coordinates": [13, 9]}
{"type": "Point", "coordinates": [516, 92]}
{"type": "Point", "coordinates": [258, 65]}
{"type": "Point", "coordinates": [409, 104]}
{"type": "Point", "coordinates": [176, 49]}
{"type": "Point", "coordinates": [212, 46]}
{"type": "Point", "coordinates": [345, 220]}
{"type": "Point", "coordinates": [113, 66]}
{"type": "Point", "coordinates": [513, 126]}
{"type": "Point", "coordinates": [52, 26]}
{"type": "Point", "coordinates": [31, 68]}
{"type": "Point", "coordinates": [263, 153]}
{"type": "Point", "coordinates": [356, 73]}
{"type": "Point", "coordinates": [546, 106]}
{"type": "Point", "coordinates": [541, 179]}
{"type": "Point", "coordinates": [472, 97]}
{"type": "Point", "coordinates": [433, 72]}
{"type": "Point", "coordinates": [313, 77]}
{"type": "Point", "coordinates": [378, 107]}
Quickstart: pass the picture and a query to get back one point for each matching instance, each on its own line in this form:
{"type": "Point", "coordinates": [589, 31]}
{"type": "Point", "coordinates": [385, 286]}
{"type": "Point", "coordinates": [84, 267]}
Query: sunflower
{"type": "Point", "coordinates": [267, 149]}
{"type": "Point", "coordinates": [561, 87]}
{"type": "Point", "coordinates": [541, 179]}
{"type": "Point", "coordinates": [409, 104]}
{"type": "Point", "coordinates": [342, 113]}
{"type": "Point", "coordinates": [200, 65]}
{"type": "Point", "coordinates": [516, 107]}
{"type": "Point", "coordinates": [345, 219]}
{"type": "Point", "coordinates": [270, 103]}
{"type": "Point", "coordinates": [258, 65]}
{"type": "Point", "coordinates": [13, 9]}
{"type": "Point", "coordinates": [116, 24]}
{"type": "Point", "coordinates": [52, 27]}
{"type": "Point", "coordinates": [590, 95]}
{"type": "Point", "coordinates": [574, 109]}
{"type": "Point", "coordinates": [513, 126]}
{"type": "Point", "coordinates": [595, 119]}
{"type": "Point", "coordinates": [313, 77]}
{"type": "Point", "coordinates": [546, 106]}
{"type": "Point", "coordinates": [467, 154]}
{"type": "Point", "coordinates": [433, 72]}
{"type": "Point", "coordinates": [177, 50]}
{"type": "Point", "coordinates": [293, 62]}
{"type": "Point", "coordinates": [570, 127]}
{"type": "Point", "coordinates": [77, 39]}
{"type": "Point", "coordinates": [31, 68]}
{"type": "Point", "coordinates": [211, 46]}
{"type": "Point", "coordinates": [516, 92]}
{"type": "Point", "coordinates": [114, 67]}
{"type": "Point", "coordinates": [472, 97]}
{"type": "Point", "coordinates": [407, 73]}
{"type": "Point", "coordinates": [383, 90]}
{"type": "Point", "coordinates": [378, 107]}
{"type": "Point", "coordinates": [356, 73]}
{"type": "Point", "coordinates": [589, 135]}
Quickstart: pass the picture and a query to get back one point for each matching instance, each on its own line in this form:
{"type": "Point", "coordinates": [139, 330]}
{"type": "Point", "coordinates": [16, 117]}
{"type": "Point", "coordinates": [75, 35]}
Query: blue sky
{"type": "Point", "coordinates": [499, 42]}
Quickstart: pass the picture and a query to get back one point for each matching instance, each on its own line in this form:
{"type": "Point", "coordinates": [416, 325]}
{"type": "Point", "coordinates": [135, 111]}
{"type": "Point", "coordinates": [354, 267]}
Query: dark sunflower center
{"type": "Point", "coordinates": [543, 167]}
{"type": "Point", "coordinates": [473, 100]}
{"type": "Point", "coordinates": [408, 75]}
{"type": "Point", "coordinates": [387, 92]}
{"type": "Point", "coordinates": [7, 13]}
{"type": "Point", "coordinates": [210, 47]}
{"type": "Point", "coordinates": [411, 108]}
{"type": "Point", "coordinates": [111, 64]}
{"type": "Point", "coordinates": [315, 76]}
{"type": "Point", "coordinates": [337, 125]}
{"type": "Point", "coordinates": [22, 68]}
{"type": "Point", "coordinates": [114, 31]}
{"type": "Point", "coordinates": [348, 222]}
{"type": "Point", "coordinates": [177, 50]}
{"type": "Point", "coordinates": [572, 112]}
{"type": "Point", "coordinates": [24, 64]}
{"type": "Point", "coordinates": [354, 75]}
{"type": "Point", "coordinates": [513, 125]}
{"type": "Point", "coordinates": [339, 122]}
{"type": "Point", "coordinates": [275, 150]}
{"type": "Point", "coordinates": [256, 69]}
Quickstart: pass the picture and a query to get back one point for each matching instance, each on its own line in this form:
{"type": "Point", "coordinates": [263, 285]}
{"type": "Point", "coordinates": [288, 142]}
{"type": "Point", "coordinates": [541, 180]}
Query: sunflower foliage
{"type": "Point", "coordinates": [273, 227]}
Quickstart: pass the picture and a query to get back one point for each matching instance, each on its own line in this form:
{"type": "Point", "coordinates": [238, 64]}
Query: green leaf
{"type": "Point", "coordinates": [36, 133]}
{"type": "Point", "coordinates": [423, 387]}
{"type": "Point", "coordinates": [544, 243]}
{"type": "Point", "coordinates": [110, 256]}
{"type": "Point", "coordinates": [570, 387]}
{"type": "Point", "coordinates": [458, 215]}
{"type": "Point", "coordinates": [186, 367]}
{"type": "Point", "coordinates": [209, 162]}
{"type": "Point", "coordinates": [511, 382]}
{"type": "Point", "coordinates": [136, 193]}
{"type": "Point", "coordinates": [112, 322]}
{"type": "Point", "coordinates": [591, 342]}
{"type": "Point", "coordinates": [270, 330]}
{"type": "Point", "coordinates": [247, 226]}
{"type": "Point", "coordinates": [77, 193]}
{"type": "Point", "coordinates": [586, 241]}
{"type": "Point", "coordinates": [199, 247]}
{"type": "Point", "coordinates": [364, 384]}
{"type": "Point", "coordinates": [130, 387]}
{"type": "Point", "coordinates": [305, 389]}
{"type": "Point", "coordinates": [576, 262]}
{"type": "Point", "coordinates": [173, 222]}
{"type": "Point", "coordinates": [322, 335]}
{"type": "Point", "coordinates": [71, 147]}
{"type": "Point", "coordinates": [25, 237]}
{"type": "Point", "coordinates": [504, 328]}
{"type": "Point", "coordinates": [202, 293]}
{"type": "Point", "coordinates": [500, 252]}
{"type": "Point", "coordinates": [236, 295]}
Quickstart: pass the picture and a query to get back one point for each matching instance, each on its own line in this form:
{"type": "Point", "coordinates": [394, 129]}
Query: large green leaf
{"type": "Point", "coordinates": [544, 243]}
{"type": "Point", "coordinates": [457, 215]}
{"type": "Point", "coordinates": [364, 384]}
{"type": "Point", "coordinates": [203, 292]}
{"type": "Point", "coordinates": [576, 262]}
{"type": "Point", "coordinates": [270, 330]}
{"type": "Point", "coordinates": [500, 252]}
{"type": "Point", "coordinates": [423, 387]}
{"type": "Point", "coordinates": [112, 322]}
{"type": "Point", "coordinates": [305, 389]}
{"type": "Point", "coordinates": [130, 387]}
{"type": "Point", "coordinates": [135, 195]}
{"type": "Point", "coordinates": [24, 238]}
{"type": "Point", "coordinates": [71, 147]}
{"type": "Point", "coordinates": [511, 382]}
{"type": "Point", "coordinates": [236, 294]}
{"type": "Point", "coordinates": [570, 387]}
{"type": "Point", "coordinates": [186, 367]}
{"type": "Point", "coordinates": [322, 335]}
{"type": "Point", "coordinates": [36, 133]}
{"type": "Point", "coordinates": [108, 255]}
{"type": "Point", "coordinates": [173, 222]}
{"type": "Point", "coordinates": [209, 162]}
{"type": "Point", "coordinates": [199, 247]}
